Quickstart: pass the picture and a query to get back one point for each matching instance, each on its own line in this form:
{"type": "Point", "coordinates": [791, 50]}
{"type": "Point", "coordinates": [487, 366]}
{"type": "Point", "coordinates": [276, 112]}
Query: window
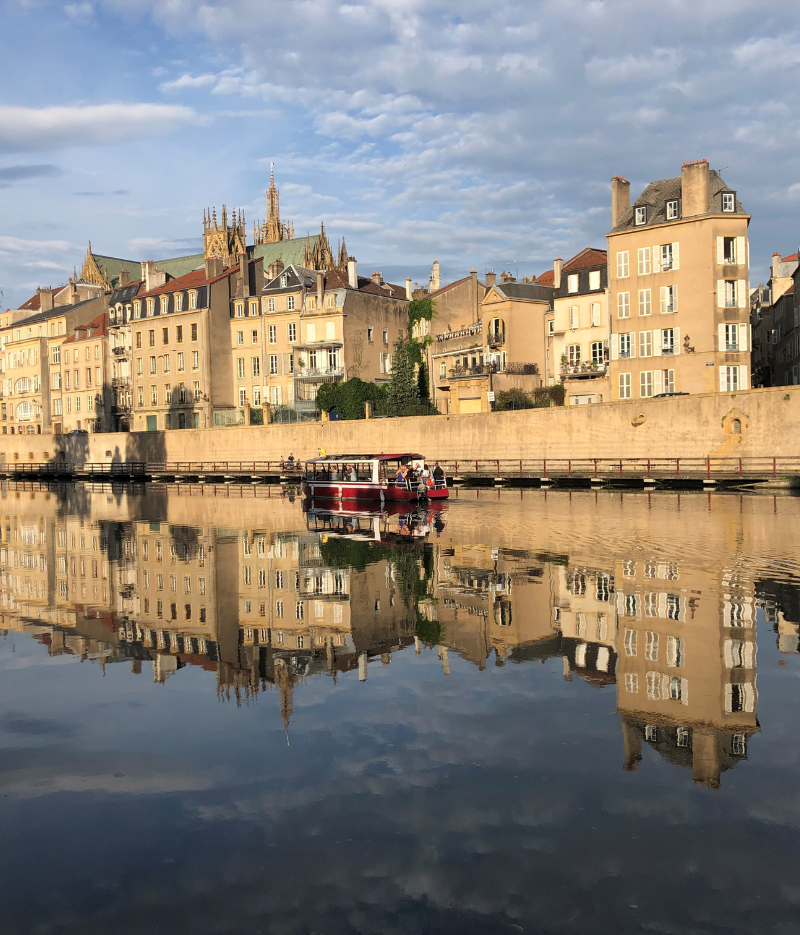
{"type": "Point", "coordinates": [256, 395]}
{"type": "Point", "coordinates": [551, 328]}
{"type": "Point", "coordinates": [669, 300]}
{"type": "Point", "coordinates": [645, 343]}
{"type": "Point", "coordinates": [625, 342]}
{"type": "Point", "coordinates": [369, 333]}
{"type": "Point", "coordinates": [151, 338]}
{"type": "Point", "coordinates": [731, 337]}
{"type": "Point", "coordinates": [178, 301]}
{"type": "Point", "coordinates": [311, 302]}
{"type": "Point", "coordinates": [594, 279]}
{"type": "Point", "coordinates": [668, 341]}
{"type": "Point", "coordinates": [291, 368]}
{"type": "Point", "coordinates": [192, 300]}
{"type": "Point", "coordinates": [240, 338]}
{"type": "Point", "coordinates": [732, 379]}
{"type": "Point", "coordinates": [622, 264]}
{"type": "Point", "coordinates": [311, 332]}
{"type": "Point", "coordinates": [57, 380]}
{"type": "Point", "coordinates": [676, 651]}
{"type": "Point", "coordinates": [728, 251]}
{"type": "Point", "coordinates": [166, 363]}
{"type": "Point", "coordinates": [624, 386]}
{"type": "Point", "coordinates": [240, 368]}
{"type": "Point", "coordinates": [179, 334]}
{"type": "Point", "coordinates": [180, 361]}
{"type": "Point", "coordinates": [598, 353]}
{"type": "Point", "coordinates": [639, 216]}
{"type": "Point", "coordinates": [242, 396]}
{"type": "Point", "coordinates": [573, 354]}
{"type": "Point", "coordinates": [631, 641]}
{"type": "Point", "coordinates": [275, 395]}
{"type": "Point", "coordinates": [152, 369]}
{"type": "Point", "coordinates": [256, 366]}
{"type": "Point", "coordinates": [595, 314]}
{"type": "Point", "coordinates": [442, 370]}
{"type": "Point", "coordinates": [572, 282]}
{"type": "Point", "coordinates": [573, 317]}
{"type": "Point", "coordinates": [57, 354]}
{"type": "Point", "coordinates": [137, 309]}
{"type": "Point", "coordinates": [672, 210]}
{"type": "Point", "coordinates": [386, 363]}
{"type": "Point", "coordinates": [651, 648]}
{"type": "Point", "coordinates": [646, 383]}
{"type": "Point", "coordinates": [239, 309]}
{"type": "Point", "coordinates": [194, 332]}
{"type": "Point", "coordinates": [164, 304]}
{"type": "Point", "coordinates": [669, 381]}
{"type": "Point", "coordinates": [292, 329]}
{"type": "Point", "coordinates": [151, 307]}
{"type": "Point", "coordinates": [631, 682]}
{"type": "Point", "coordinates": [270, 305]}
{"type": "Point", "coordinates": [167, 393]}
{"type": "Point", "coordinates": [290, 303]}
{"type": "Point", "coordinates": [728, 201]}
{"type": "Point", "coordinates": [253, 309]}
{"type": "Point", "coordinates": [154, 395]}
{"type": "Point", "coordinates": [731, 298]}
{"type": "Point", "coordinates": [330, 330]}
{"type": "Point", "coordinates": [138, 339]}
{"type": "Point", "coordinates": [666, 256]}
{"type": "Point", "coordinates": [645, 307]}
{"type": "Point", "coordinates": [195, 360]}
{"type": "Point", "coordinates": [273, 334]}
{"type": "Point", "coordinates": [273, 365]}
{"type": "Point", "coordinates": [624, 305]}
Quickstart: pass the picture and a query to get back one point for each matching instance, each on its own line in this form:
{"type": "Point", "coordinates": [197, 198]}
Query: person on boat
{"type": "Point", "coordinates": [438, 475]}
{"type": "Point", "coordinates": [353, 473]}
{"type": "Point", "coordinates": [290, 460]}
{"type": "Point", "coordinates": [334, 472]}
{"type": "Point", "coordinates": [401, 475]}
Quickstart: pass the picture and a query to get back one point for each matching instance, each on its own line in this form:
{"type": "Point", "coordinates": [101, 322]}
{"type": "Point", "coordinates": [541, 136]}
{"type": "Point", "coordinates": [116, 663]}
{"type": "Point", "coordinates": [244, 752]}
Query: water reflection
{"type": "Point", "coordinates": [277, 595]}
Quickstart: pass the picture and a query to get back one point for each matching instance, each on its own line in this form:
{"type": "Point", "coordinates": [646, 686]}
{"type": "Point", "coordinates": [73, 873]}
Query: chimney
{"type": "Point", "coordinates": [244, 274]}
{"type": "Point", "coordinates": [408, 288]}
{"type": "Point", "coordinates": [558, 267]}
{"type": "Point", "coordinates": [377, 277]}
{"type": "Point", "coordinates": [124, 278]}
{"type": "Point", "coordinates": [695, 188]}
{"type": "Point", "coordinates": [152, 276]}
{"type": "Point", "coordinates": [475, 298]}
{"type": "Point", "coordinates": [352, 272]}
{"type": "Point", "coordinates": [620, 198]}
{"type": "Point", "coordinates": [45, 299]}
{"type": "Point", "coordinates": [776, 258]}
{"type": "Point", "coordinates": [320, 288]}
{"type": "Point", "coordinates": [213, 267]}
{"type": "Point", "coordinates": [433, 283]}
{"type": "Point", "coordinates": [491, 279]}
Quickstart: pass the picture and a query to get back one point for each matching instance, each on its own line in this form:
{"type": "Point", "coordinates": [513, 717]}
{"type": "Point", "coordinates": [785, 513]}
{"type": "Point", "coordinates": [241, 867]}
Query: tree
{"type": "Point", "coordinates": [422, 383]}
{"type": "Point", "coordinates": [401, 393]}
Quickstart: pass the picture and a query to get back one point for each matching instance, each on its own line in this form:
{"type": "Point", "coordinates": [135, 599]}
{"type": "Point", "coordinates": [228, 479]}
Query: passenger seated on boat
{"type": "Point", "coordinates": [353, 473]}
{"type": "Point", "coordinates": [334, 472]}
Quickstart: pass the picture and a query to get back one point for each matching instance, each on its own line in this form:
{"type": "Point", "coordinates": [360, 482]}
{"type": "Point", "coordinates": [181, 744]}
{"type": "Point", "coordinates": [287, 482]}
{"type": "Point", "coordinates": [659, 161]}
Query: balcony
{"type": "Point", "coordinates": [495, 340]}
{"type": "Point", "coordinates": [319, 374]}
{"type": "Point", "coordinates": [120, 382]}
{"type": "Point", "coordinates": [121, 351]}
{"type": "Point", "coordinates": [585, 371]}
{"type": "Point", "coordinates": [479, 370]}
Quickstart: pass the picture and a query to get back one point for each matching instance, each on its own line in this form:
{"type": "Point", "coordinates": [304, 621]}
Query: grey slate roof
{"type": "Point", "coordinates": [657, 194]}
{"type": "Point", "coordinates": [525, 290]}
{"type": "Point", "coordinates": [50, 313]}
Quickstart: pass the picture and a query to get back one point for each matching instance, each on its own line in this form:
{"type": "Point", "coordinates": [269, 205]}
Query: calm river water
{"type": "Point", "coordinates": [528, 712]}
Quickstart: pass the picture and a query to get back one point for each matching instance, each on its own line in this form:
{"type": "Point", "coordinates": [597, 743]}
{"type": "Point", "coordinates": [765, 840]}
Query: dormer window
{"type": "Point", "coordinates": [283, 281]}
{"type": "Point", "coordinates": [151, 305]}
{"type": "Point", "coordinates": [192, 300]}
{"type": "Point", "coordinates": [728, 201]}
{"type": "Point", "coordinates": [572, 283]}
{"type": "Point", "coordinates": [594, 279]}
{"type": "Point", "coordinates": [164, 304]}
{"type": "Point", "coordinates": [639, 216]}
{"type": "Point", "coordinates": [672, 210]}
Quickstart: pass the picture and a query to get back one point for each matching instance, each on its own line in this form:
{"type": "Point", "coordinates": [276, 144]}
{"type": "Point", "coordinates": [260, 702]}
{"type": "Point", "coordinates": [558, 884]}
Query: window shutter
{"type": "Point", "coordinates": [741, 293]}
{"type": "Point", "coordinates": [657, 342]}
{"type": "Point", "coordinates": [675, 257]}
{"type": "Point", "coordinates": [721, 337]}
{"type": "Point", "coordinates": [280, 371]}
{"type": "Point", "coordinates": [615, 347]}
{"type": "Point", "coordinates": [633, 343]}
{"type": "Point", "coordinates": [674, 298]}
{"type": "Point", "coordinates": [657, 259]}
{"type": "Point", "coordinates": [658, 382]}
{"type": "Point", "coordinates": [743, 377]}
{"type": "Point", "coordinates": [743, 336]}
{"type": "Point", "coordinates": [663, 298]}
{"type": "Point", "coordinates": [285, 363]}
{"type": "Point", "coordinates": [720, 293]}
{"type": "Point", "coordinates": [677, 334]}
{"type": "Point", "coordinates": [741, 251]}
{"type": "Point", "coordinates": [684, 691]}
{"type": "Point", "coordinates": [720, 251]}
{"type": "Point", "coordinates": [748, 651]}
{"type": "Point", "coordinates": [723, 381]}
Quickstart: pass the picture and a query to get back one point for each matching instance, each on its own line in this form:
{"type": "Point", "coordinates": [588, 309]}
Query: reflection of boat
{"type": "Point", "coordinates": [333, 520]}
{"type": "Point", "coordinates": [371, 477]}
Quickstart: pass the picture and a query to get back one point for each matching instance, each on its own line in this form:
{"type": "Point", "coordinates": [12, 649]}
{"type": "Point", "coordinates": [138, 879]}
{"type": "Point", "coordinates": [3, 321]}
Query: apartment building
{"type": "Point", "coordinates": [81, 395]}
{"type": "Point", "coordinates": [120, 331]}
{"type": "Point", "coordinates": [504, 348]}
{"type": "Point", "coordinates": [678, 287]}
{"type": "Point", "coordinates": [317, 327]}
{"type": "Point", "coordinates": [30, 349]}
{"type": "Point", "coordinates": [182, 372]}
{"type": "Point", "coordinates": [578, 329]}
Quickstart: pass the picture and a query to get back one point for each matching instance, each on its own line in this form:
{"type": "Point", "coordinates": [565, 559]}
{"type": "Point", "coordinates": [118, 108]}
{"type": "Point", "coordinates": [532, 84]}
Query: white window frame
{"type": "Point", "coordinates": [623, 264]}
{"type": "Point", "coordinates": [640, 216]}
{"type": "Point", "coordinates": [624, 386]}
{"type": "Point", "coordinates": [623, 305]}
{"type": "Point", "coordinates": [644, 261]}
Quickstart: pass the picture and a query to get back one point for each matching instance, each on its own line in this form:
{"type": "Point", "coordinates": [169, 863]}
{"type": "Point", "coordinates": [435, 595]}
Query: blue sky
{"type": "Point", "coordinates": [476, 132]}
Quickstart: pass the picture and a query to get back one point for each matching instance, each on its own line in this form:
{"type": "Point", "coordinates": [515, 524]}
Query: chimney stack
{"type": "Point", "coordinates": [214, 267]}
{"type": "Point", "coordinates": [320, 288]}
{"type": "Point", "coordinates": [558, 268]}
{"type": "Point", "coordinates": [433, 282]}
{"type": "Point", "coordinates": [45, 299]}
{"type": "Point", "coordinates": [352, 272]}
{"type": "Point", "coordinates": [776, 258]}
{"type": "Point", "coordinates": [695, 188]}
{"type": "Point", "coordinates": [620, 198]}
{"type": "Point", "coordinates": [124, 278]}
{"type": "Point", "coordinates": [491, 279]}
{"type": "Point", "coordinates": [377, 277]}
{"type": "Point", "coordinates": [244, 274]}
{"type": "Point", "coordinates": [408, 288]}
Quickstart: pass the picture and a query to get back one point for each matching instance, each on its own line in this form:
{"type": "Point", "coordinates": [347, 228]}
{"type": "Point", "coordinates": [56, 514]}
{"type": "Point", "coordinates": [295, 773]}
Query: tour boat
{"type": "Point", "coordinates": [370, 477]}
{"type": "Point", "coordinates": [389, 524]}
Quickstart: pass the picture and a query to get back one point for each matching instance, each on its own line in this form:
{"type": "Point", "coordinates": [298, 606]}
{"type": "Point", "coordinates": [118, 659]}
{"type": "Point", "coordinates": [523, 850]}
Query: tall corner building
{"type": "Point", "coordinates": [678, 287]}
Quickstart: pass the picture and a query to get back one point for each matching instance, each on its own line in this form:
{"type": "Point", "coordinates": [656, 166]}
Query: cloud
{"type": "Point", "coordinates": [29, 128]}
{"type": "Point", "coordinates": [11, 175]}
{"type": "Point", "coordinates": [18, 245]}
{"type": "Point", "coordinates": [81, 12]}
{"type": "Point", "coordinates": [189, 82]}
{"type": "Point", "coordinates": [93, 194]}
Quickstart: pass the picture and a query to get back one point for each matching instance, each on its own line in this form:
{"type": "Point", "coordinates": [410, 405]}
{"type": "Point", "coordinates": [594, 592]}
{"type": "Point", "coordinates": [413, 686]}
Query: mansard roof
{"type": "Point", "coordinates": [97, 328]}
{"type": "Point", "coordinates": [588, 257]}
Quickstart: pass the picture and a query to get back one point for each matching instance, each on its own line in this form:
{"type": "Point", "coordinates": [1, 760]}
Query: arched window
{"type": "Point", "coordinates": [24, 411]}
{"type": "Point", "coordinates": [736, 427]}
{"type": "Point", "coordinates": [23, 385]}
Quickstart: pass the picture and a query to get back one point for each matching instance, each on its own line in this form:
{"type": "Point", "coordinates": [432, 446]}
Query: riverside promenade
{"type": "Point", "coordinates": [747, 436]}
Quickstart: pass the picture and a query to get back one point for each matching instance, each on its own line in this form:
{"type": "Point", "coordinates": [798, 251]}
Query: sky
{"type": "Point", "coordinates": [480, 133]}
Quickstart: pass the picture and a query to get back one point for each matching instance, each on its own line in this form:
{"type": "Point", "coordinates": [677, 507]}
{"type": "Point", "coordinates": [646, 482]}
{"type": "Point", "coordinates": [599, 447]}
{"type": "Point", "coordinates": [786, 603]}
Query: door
{"type": "Point", "coordinates": [469, 405]}
{"type": "Point", "coordinates": [151, 423]}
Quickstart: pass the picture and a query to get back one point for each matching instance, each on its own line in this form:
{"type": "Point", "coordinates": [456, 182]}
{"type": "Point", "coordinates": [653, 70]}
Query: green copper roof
{"type": "Point", "coordinates": [181, 265]}
{"type": "Point", "coordinates": [290, 251]}
{"type": "Point", "coordinates": [114, 265]}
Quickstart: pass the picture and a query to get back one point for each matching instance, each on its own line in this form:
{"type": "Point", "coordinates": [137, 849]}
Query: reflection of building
{"type": "Point", "coordinates": [686, 671]}
{"type": "Point", "coordinates": [584, 612]}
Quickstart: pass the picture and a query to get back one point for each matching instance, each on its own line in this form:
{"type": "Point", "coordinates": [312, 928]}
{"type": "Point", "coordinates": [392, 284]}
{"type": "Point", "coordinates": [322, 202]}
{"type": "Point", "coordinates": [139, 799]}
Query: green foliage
{"type": "Point", "coordinates": [419, 309]}
{"type": "Point", "coordinates": [540, 398]}
{"type": "Point", "coordinates": [402, 389]}
{"type": "Point", "coordinates": [348, 398]}
{"type": "Point", "coordinates": [422, 382]}
{"type": "Point", "coordinates": [429, 631]}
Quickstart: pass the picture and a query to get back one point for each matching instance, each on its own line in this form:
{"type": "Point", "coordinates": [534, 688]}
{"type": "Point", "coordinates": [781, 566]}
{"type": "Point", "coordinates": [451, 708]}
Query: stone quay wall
{"type": "Point", "coordinates": [755, 423]}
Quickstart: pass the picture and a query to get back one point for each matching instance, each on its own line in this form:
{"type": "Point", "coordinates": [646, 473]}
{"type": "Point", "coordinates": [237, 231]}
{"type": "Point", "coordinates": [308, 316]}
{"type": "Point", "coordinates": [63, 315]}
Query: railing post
{"type": "Point", "coordinates": [569, 468]}
{"type": "Point", "coordinates": [708, 468]}
{"type": "Point", "coordinates": [544, 468]}
{"type": "Point", "coordinates": [498, 467]}
{"type": "Point", "coordinates": [677, 467]}
{"type": "Point", "coordinates": [595, 467]}
{"type": "Point", "coordinates": [740, 467]}
{"type": "Point", "coordinates": [520, 467]}
{"type": "Point", "coordinates": [648, 467]}
{"type": "Point", "coordinates": [620, 467]}
{"type": "Point", "coordinates": [774, 467]}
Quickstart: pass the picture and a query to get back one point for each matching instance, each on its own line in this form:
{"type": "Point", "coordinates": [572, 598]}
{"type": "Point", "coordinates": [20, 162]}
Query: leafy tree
{"type": "Point", "coordinates": [422, 382]}
{"type": "Point", "coordinates": [348, 398]}
{"type": "Point", "coordinates": [512, 399]}
{"type": "Point", "coordinates": [401, 393]}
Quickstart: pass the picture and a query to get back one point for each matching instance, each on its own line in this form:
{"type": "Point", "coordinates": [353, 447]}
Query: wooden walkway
{"type": "Point", "coordinates": [642, 472]}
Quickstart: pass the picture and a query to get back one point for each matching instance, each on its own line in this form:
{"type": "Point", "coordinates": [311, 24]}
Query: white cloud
{"type": "Point", "coordinates": [29, 128]}
{"type": "Point", "coordinates": [81, 12]}
{"type": "Point", "coordinates": [768, 53]}
{"type": "Point", "coordinates": [189, 82]}
{"type": "Point", "coordinates": [18, 245]}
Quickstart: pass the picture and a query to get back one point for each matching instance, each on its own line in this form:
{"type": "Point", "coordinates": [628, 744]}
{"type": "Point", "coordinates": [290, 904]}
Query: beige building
{"type": "Point", "coordinates": [578, 329]}
{"type": "Point", "coordinates": [316, 327]}
{"type": "Point", "coordinates": [504, 348]}
{"type": "Point", "coordinates": [80, 379]}
{"type": "Point", "coordinates": [678, 287]}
